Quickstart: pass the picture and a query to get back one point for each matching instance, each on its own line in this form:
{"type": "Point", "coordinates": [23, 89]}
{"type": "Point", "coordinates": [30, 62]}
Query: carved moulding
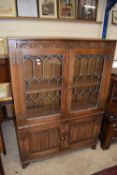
{"type": "Point", "coordinates": [40, 44]}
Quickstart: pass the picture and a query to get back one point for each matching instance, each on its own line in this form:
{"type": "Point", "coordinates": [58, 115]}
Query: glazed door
{"type": "Point", "coordinates": [87, 69]}
{"type": "Point", "coordinates": [41, 76]}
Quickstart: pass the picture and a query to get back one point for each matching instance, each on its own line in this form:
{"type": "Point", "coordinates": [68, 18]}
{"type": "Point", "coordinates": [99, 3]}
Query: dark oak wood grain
{"type": "Point", "coordinates": [4, 70]}
{"type": "Point", "coordinates": [59, 92]}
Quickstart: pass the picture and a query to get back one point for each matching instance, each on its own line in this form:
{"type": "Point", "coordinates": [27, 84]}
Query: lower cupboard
{"type": "Point", "coordinates": [39, 141]}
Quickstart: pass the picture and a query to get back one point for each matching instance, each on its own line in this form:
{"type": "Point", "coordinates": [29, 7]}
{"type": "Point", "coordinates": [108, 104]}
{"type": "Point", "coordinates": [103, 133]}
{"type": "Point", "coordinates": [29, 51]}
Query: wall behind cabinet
{"type": "Point", "coordinates": [60, 29]}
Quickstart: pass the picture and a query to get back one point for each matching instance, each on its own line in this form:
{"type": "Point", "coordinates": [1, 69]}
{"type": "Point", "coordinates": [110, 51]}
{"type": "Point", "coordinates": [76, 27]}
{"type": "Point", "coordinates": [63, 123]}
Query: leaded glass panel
{"type": "Point", "coordinates": [87, 77]}
{"type": "Point", "coordinates": [43, 77]}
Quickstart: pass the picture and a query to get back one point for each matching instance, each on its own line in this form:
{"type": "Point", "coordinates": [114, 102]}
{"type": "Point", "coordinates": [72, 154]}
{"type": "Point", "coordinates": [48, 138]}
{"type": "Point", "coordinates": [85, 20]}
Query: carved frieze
{"type": "Point", "coordinates": [40, 44]}
{"type": "Point", "coordinates": [84, 44]}
{"type": "Point", "coordinates": [88, 44]}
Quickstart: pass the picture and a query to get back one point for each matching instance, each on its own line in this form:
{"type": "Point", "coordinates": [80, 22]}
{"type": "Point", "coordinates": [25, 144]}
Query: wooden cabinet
{"type": "Point", "coordinates": [60, 89]}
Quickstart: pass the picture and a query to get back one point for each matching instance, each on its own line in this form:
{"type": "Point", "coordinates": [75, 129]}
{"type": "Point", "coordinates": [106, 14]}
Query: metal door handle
{"type": "Point", "coordinates": [70, 87]}
{"type": "Point", "coordinates": [67, 137]}
{"type": "Point", "coordinates": [62, 138]}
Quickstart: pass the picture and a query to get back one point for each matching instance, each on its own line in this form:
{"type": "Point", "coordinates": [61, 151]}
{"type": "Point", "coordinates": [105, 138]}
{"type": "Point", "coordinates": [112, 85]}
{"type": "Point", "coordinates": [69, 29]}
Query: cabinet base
{"type": "Point", "coordinates": [105, 147]}
{"type": "Point", "coordinates": [24, 165]}
{"type": "Point", "coordinates": [92, 144]}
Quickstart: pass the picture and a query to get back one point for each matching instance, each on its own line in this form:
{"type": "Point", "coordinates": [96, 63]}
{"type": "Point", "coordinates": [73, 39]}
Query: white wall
{"type": "Point", "coordinates": [38, 28]}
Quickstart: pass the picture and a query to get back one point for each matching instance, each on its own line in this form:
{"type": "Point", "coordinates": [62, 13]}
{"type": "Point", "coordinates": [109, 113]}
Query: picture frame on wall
{"type": "Point", "coordinates": [67, 9]}
{"type": "Point", "coordinates": [87, 10]}
{"type": "Point", "coordinates": [47, 8]}
{"type": "Point", "coordinates": [114, 17]}
{"type": "Point", "coordinates": [8, 8]}
{"type": "Point", "coordinates": [27, 8]}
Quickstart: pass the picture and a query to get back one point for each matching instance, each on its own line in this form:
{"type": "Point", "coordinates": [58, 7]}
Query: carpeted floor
{"type": "Point", "coordinates": [81, 162]}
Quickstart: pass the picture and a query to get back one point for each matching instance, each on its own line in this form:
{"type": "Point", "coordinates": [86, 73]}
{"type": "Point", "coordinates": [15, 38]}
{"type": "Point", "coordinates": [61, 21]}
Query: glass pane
{"type": "Point", "coordinates": [86, 81]}
{"type": "Point", "coordinates": [43, 77]}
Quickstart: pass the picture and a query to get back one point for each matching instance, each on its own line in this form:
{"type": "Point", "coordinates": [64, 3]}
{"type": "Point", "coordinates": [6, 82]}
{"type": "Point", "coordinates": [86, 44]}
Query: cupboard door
{"type": "Point", "coordinates": [41, 81]}
{"type": "Point", "coordinates": [86, 79]}
{"type": "Point", "coordinates": [44, 141]}
{"type": "Point", "coordinates": [36, 142]}
{"type": "Point", "coordinates": [80, 132]}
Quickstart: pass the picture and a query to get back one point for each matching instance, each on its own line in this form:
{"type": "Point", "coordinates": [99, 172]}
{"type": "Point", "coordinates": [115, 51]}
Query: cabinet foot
{"type": "Point", "coordinates": [94, 146]}
{"type": "Point", "coordinates": [24, 165]}
{"type": "Point", "coordinates": [105, 147]}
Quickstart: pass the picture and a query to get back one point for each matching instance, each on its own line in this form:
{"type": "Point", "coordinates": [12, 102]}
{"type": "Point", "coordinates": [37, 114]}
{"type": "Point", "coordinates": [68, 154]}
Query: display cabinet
{"type": "Point", "coordinates": [60, 88]}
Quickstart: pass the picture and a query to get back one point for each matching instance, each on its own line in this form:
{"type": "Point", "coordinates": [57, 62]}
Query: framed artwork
{"type": "Point", "coordinates": [48, 8]}
{"type": "Point", "coordinates": [87, 9]}
{"type": "Point", "coordinates": [114, 17]}
{"type": "Point", "coordinates": [67, 9]}
{"type": "Point", "coordinates": [27, 8]}
{"type": "Point", "coordinates": [8, 8]}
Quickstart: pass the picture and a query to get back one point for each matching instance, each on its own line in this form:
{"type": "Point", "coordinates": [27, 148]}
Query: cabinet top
{"type": "Point", "coordinates": [60, 38]}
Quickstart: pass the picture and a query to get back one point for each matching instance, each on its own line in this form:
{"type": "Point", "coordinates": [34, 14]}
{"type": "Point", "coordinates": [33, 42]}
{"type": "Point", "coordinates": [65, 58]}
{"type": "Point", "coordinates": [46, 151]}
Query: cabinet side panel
{"type": "Point", "coordinates": [13, 71]}
{"type": "Point", "coordinates": [109, 52]}
{"type": "Point", "coordinates": [23, 140]}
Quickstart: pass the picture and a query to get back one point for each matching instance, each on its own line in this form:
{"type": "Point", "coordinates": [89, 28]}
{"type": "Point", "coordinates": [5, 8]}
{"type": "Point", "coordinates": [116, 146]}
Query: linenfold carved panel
{"type": "Point", "coordinates": [44, 140]}
{"type": "Point", "coordinates": [80, 131]}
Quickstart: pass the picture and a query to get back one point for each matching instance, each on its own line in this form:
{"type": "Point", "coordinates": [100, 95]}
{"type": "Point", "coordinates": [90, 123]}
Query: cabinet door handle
{"type": "Point", "coordinates": [62, 138]}
{"type": "Point", "coordinates": [114, 125]}
{"type": "Point", "coordinates": [70, 87]}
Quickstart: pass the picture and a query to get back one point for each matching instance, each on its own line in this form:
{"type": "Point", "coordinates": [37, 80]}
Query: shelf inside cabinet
{"type": "Point", "coordinates": [37, 112]}
{"type": "Point", "coordinates": [58, 89]}
{"type": "Point", "coordinates": [86, 84]}
{"type": "Point", "coordinates": [42, 90]}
